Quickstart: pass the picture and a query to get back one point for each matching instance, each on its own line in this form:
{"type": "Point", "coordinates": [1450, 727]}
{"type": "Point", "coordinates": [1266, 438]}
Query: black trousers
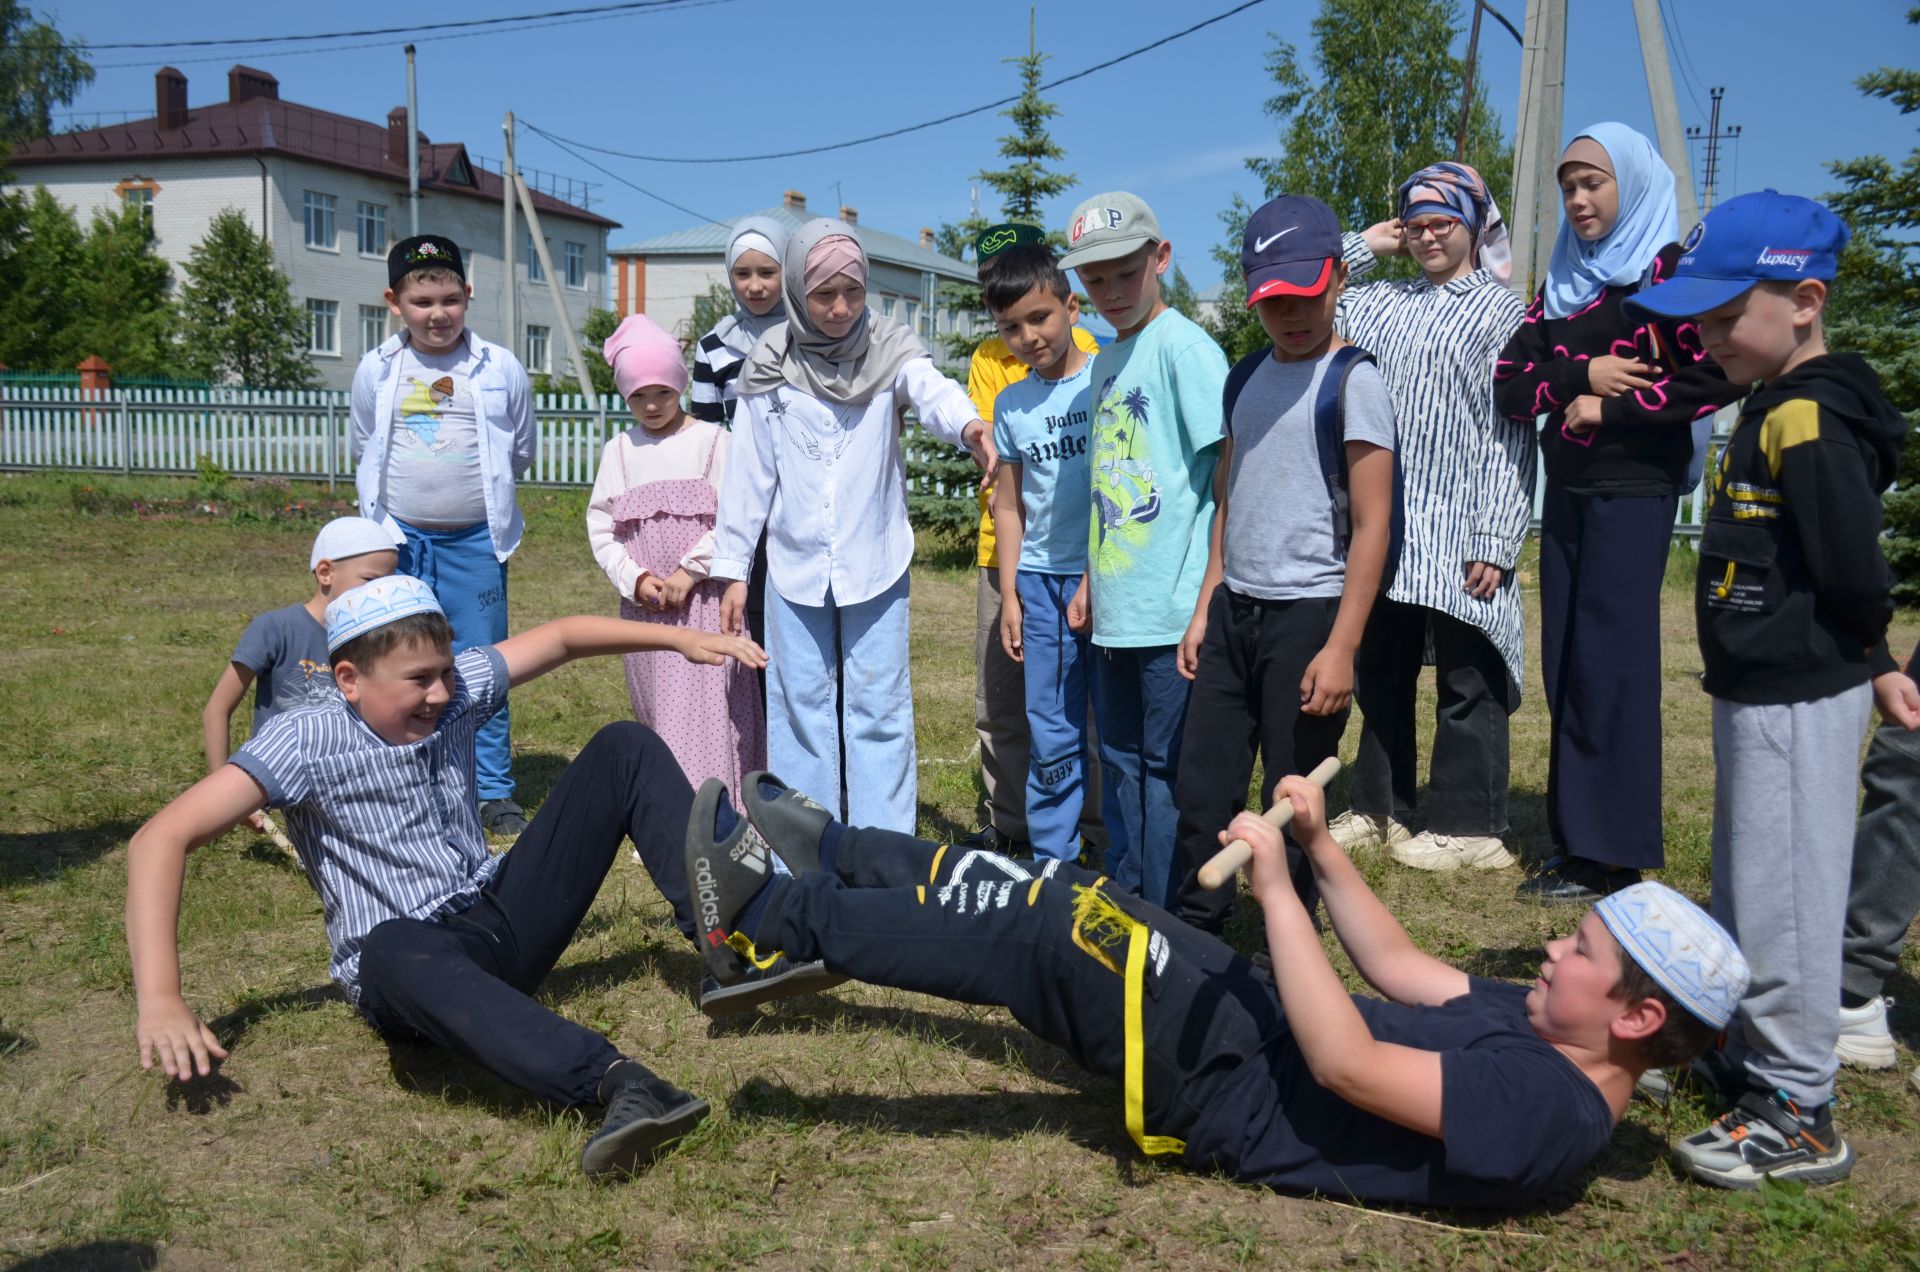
{"type": "Point", "coordinates": [1467, 777]}
{"type": "Point", "coordinates": [975, 927]}
{"type": "Point", "coordinates": [463, 982]}
{"type": "Point", "coordinates": [1246, 695]}
{"type": "Point", "coordinates": [1602, 561]}
{"type": "Point", "coordinates": [1885, 894]}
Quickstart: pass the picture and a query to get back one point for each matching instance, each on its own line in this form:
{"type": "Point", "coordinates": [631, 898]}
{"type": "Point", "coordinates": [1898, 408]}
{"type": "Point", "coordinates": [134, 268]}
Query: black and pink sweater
{"type": "Point", "coordinates": [1645, 440]}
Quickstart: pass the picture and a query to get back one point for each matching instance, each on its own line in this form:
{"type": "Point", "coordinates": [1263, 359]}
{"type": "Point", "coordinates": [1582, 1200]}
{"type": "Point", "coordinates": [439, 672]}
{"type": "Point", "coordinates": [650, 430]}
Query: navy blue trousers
{"type": "Point", "coordinates": [464, 982]}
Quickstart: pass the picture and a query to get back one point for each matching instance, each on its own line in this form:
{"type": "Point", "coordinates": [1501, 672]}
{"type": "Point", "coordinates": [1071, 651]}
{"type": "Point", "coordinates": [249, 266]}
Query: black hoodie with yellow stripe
{"type": "Point", "coordinates": [1795, 595]}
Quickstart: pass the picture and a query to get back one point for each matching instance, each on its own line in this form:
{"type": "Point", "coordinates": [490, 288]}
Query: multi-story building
{"type": "Point", "coordinates": [663, 277]}
{"type": "Point", "coordinates": [329, 193]}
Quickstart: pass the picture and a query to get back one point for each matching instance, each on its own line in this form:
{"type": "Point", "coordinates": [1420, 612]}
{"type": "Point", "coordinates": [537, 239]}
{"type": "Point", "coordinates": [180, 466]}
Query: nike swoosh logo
{"type": "Point", "coordinates": [1261, 245]}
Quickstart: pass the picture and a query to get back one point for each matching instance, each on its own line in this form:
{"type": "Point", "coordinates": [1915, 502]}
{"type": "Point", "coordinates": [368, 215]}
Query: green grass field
{"type": "Point", "coordinates": [865, 1128]}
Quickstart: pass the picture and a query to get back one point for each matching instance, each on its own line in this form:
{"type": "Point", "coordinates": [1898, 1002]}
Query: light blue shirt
{"type": "Point", "coordinates": [503, 407]}
{"type": "Point", "coordinates": [383, 831]}
{"type": "Point", "coordinates": [1042, 425]}
{"type": "Point", "coordinates": [1156, 422]}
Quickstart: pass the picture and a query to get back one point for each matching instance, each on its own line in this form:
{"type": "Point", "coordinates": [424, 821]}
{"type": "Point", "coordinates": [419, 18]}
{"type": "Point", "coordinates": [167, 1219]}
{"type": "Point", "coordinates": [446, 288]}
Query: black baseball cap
{"type": "Point", "coordinates": [1289, 248]}
{"type": "Point", "coordinates": [995, 239]}
{"type": "Point", "coordinates": [423, 251]}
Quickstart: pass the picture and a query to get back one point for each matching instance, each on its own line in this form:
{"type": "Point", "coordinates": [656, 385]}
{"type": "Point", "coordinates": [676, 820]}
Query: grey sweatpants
{"type": "Point", "coordinates": [1783, 813]}
{"type": "Point", "coordinates": [1886, 861]}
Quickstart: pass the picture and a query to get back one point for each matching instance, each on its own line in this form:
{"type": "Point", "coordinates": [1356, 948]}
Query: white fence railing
{"type": "Point", "coordinates": [305, 435]}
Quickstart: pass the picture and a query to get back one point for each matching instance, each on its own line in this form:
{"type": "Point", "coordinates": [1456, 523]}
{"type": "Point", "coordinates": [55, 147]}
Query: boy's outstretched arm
{"type": "Point", "coordinates": [539, 650]}
{"type": "Point", "coordinates": [156, 867]}
{"type": "Point", "coordinates": [1401, 1084]}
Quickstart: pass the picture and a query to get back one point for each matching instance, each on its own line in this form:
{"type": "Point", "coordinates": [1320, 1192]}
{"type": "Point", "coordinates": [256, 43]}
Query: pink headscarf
{"type": "Point", "coordinates": [835, 255]}
{"type": "Point", "coordinates": [641, 354]}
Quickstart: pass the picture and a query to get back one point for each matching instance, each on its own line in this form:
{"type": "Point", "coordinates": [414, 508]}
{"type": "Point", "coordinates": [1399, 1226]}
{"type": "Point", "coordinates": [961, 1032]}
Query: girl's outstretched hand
{"type": "Point", "coordinates": [713, 648]}
{"type": "Point", "coordinates": [171, 1032]}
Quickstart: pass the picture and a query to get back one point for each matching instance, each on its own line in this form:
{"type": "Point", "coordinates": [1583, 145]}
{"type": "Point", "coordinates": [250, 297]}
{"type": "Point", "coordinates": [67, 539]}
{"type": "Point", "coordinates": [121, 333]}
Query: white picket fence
{"type": "Point", "coordinates": [305, 435]}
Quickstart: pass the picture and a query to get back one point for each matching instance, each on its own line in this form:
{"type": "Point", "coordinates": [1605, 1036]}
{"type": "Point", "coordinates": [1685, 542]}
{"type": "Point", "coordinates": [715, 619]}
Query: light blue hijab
{"type": "Point", "coordinates": [1580, 270]}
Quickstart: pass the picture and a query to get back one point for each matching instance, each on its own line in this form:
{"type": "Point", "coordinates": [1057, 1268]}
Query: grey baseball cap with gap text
{"type": "Point", "coordinates": [1107, 227]}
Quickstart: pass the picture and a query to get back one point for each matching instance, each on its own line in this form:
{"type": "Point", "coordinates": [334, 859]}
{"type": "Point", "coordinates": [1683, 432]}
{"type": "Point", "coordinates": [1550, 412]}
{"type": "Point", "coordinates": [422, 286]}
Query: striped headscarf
{"type": "Point", "coordinates": [1459, 191]}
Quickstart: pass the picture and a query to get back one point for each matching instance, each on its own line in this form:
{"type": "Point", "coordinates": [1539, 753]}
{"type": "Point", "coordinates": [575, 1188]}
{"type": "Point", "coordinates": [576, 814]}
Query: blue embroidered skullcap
{"type": "Point", "coordinates": [1680, 946]}
{"type": "Point", "coordinates": [375, 604]}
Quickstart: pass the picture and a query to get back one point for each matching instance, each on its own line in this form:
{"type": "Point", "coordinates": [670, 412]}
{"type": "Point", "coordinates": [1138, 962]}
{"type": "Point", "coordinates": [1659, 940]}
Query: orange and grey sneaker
{"type": "Point", "coordinates": [1766, 1136]}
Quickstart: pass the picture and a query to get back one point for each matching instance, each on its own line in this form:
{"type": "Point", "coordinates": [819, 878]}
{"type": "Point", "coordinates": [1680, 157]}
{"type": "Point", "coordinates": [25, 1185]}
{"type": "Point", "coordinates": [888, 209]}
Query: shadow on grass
{"type": "Point", "coordinates": [1508, 963]}
{"type": "Point", "coordinates": [201, 1096]}
{"type": "Point", "coordinates": [38, 856]}
{"type": "Point", "coordinates": [250, 1011]}
{"type": "Point", "coordinates": [534, 773]}
{"type": "Point", "coordinates": [92, 1256]}
{"type": "Point", "coordinates": [12, 1041]}
{"type": "Point", "coordinates": [433, 1071]}
{"type": "Point", "coordinates": [1090, 1119]}
{"type": "Point", "coordinates": [678, 966]}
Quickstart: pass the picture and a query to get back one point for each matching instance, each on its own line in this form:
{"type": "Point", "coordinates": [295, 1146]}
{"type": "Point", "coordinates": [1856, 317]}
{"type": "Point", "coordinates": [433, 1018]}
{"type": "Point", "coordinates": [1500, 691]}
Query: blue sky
{"type": "Point", "coordinates": [1175, 125]}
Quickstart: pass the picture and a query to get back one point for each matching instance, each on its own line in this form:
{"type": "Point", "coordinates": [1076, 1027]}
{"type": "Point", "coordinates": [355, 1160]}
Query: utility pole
{"type": "Point", "coordinates": [553, 287]}
{"type": "Point", "coordinates": [1666, 110]}
{"type": "Point", "coordinates": [512, 294]}
{"type": "Point", "coordinates": [413, 149]}
{"type": "Point", "coordinates": [1466, 92]}
{"type": "Point", "coordinates": [1553, 73]}
{"type": "Point", "coordinates": [1536, 146]}
{"type": "Point", "coordinates": [1710, 180]}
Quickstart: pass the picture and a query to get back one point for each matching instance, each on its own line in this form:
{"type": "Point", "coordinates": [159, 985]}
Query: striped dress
{"type": "Point", "coordinates": [1468, 470]}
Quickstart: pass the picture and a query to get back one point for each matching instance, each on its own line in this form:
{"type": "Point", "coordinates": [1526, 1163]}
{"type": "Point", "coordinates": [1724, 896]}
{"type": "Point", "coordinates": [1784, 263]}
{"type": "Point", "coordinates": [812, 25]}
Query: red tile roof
{"type": "Point", "coordinates": [268, 125]}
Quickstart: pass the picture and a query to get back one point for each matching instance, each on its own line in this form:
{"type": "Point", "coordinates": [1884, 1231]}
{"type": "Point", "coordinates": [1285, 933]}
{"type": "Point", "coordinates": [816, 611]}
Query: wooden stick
{"type": "Point", "coordinates": [1220, 869]}
{"type": "Point", "coordinates": [279, 837]}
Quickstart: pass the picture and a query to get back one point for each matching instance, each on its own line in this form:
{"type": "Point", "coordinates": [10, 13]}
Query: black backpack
{"type": "Point", "coordinates": [1329, 439]}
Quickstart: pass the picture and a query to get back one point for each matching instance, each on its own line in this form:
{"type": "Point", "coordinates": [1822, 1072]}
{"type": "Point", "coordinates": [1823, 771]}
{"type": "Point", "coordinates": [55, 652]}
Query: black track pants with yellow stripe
{"type": "Point", "coordinates": [1125, 988]}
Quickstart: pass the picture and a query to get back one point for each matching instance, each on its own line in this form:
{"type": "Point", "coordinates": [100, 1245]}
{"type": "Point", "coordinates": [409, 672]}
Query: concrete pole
{"type": "Point", "coordinates": [511, 294]}
{"type": "Point", "coordinates": [1666, 110]}
{"type": "Point", "coordinates": [413, 149]}
{"type": "Point", "coordinates": [553, 286]}
{"type": "Point", "coordinates": [1553, 95]}
{"type": "Point", "coordinates": [1524, 214]}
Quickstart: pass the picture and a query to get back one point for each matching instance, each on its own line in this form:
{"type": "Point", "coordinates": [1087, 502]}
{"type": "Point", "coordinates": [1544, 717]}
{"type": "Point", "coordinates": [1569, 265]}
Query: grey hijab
{"type": "Point", "coordinates": [847, 371]}
{"type": "Point", "coordinates": [742, 329]}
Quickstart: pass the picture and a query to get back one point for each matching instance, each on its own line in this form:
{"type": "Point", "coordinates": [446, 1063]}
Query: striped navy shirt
{"type": "Point", "coordinates": [1468, 470]}
{"type": "Point", "coordinates": [715, 368]}
{"type": "Point", "coordinates": [384, 831]}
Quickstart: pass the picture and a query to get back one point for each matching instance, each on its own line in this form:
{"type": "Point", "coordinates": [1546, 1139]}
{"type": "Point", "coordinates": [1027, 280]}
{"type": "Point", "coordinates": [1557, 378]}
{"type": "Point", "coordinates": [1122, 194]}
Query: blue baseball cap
{"type": "Point", "coordinates": [1751, 238]}
{"type": "Point", "coordinates": [1289, 248]}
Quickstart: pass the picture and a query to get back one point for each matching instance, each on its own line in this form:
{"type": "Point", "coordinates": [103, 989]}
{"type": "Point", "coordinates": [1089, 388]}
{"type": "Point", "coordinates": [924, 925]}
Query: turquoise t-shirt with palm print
{"type": "Point", "coordinates": [1156, 422]}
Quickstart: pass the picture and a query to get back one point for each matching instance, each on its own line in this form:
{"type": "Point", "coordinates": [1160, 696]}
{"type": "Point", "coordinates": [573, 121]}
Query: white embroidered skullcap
{"type": "Point", "coordinates": [345, 537]}
{"type": "Point", "coordinates": [1680, 946]}
{"type": "Point", "coordinates": [375, 604]}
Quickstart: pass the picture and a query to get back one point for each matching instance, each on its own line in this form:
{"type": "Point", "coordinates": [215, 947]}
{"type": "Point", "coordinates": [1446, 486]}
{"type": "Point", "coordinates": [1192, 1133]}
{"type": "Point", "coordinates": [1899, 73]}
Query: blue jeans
{"type": "Point", "coordinates": [1140, 699]}
{"type": "Point", "coordinates": [837, 686]}
{"type": "Point", "coordinates": [1056, 689]}
{"type": "Point", "coordinates": [471, 585]}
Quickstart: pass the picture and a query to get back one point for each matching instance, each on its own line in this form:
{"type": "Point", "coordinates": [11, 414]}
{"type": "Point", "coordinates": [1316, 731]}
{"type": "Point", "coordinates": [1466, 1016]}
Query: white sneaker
{"type": "Point", "coordinates": [1428, 851]}
{"type": "Point", "coordinates": [1353, 830]}
{"type": "Point", "coordinates": [1865, 1042]}
{"type": "Point", "coordinates": [1914, 1078]}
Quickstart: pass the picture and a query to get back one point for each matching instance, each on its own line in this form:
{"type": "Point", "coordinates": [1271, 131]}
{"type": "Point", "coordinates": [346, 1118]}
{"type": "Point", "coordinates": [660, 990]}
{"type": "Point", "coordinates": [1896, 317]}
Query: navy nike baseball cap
{"type": "Point", "coordinates": [1289, 248]}
{"type": "Point", "coordinates": [1765, 236]}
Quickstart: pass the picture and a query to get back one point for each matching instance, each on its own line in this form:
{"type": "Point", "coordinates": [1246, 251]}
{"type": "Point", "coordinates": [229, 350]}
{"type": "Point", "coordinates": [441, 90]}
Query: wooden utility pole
{"type": "Point", "coordinates": [553, 287]}
{"type": "Point", "coordinates": [512, 291]}
{"type": "Point", "coordinates": [1710, 178]}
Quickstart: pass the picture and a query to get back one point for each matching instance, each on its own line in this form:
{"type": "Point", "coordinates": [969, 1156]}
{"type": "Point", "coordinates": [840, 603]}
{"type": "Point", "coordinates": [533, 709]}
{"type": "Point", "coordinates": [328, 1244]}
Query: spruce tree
{"type": "Point", "coordinates": [237, 316]}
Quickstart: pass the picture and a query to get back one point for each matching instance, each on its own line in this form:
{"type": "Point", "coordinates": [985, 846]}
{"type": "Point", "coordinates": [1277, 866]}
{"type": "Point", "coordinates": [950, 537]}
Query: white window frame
{"type": "Point", "coordinates": [574, 265]}
{"type": "Point", "coordinates": [140, 196]}
{"type": "Point", "coordinates": [328, 312]}
{"type": "Point", "coordinates": [543, 361]}
{"type": "Point", "coordinates": [534, 273]}
{"type": "Point", "coordinates": [370, 213]}
{"type": "Point", "coordinates": [913, 317]}
{"type": "Point", "coordinates": [323, 205]}
{"type": "Point", "coordinates": [886, 306]}
{"type": "Point", "coordinates": [373, 327]}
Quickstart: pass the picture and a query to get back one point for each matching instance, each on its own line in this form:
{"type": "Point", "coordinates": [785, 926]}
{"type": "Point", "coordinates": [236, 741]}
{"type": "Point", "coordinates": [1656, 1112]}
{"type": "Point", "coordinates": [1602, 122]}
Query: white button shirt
{"type": "Point", "coordinates": [829, 485]}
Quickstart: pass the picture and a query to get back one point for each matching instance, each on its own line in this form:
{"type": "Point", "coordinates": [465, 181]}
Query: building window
{"type": "Point", "coordinates": [320, 221]}
{"type": "Point", "coordinates": [138, 194]}
{"type": "Point", "coordinates": [537, 342]}
{"type": "Point", "coordinates": [373, 327]}
{"type": "Point", "coordinates": [576, 263]}
{"type": "Point", "coordinates": [534, 273]}
{"type": "Point", "coordinates": [913, 316]}
{"type": "Point", "coordinates": [886, 306]}
{"type": "Point", "coordinates": [323, 326]}
{"type": "Point", "coordinates": [372, 221]}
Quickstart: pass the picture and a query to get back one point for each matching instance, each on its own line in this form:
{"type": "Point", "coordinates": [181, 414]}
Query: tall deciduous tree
{"type": "Point", "coordinates": [39, 69]}
{"type": "Point", "coordinates": [75, 293]}
{"type": "Point", "coordinates": [1875, 308]}
{"type": "Point", "coordinates": [1381, 102]}
{"type": "Point", "coordinates": [238, 319]}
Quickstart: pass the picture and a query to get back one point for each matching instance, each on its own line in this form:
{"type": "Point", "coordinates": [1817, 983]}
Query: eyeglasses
{"type": "Point", "coordinates": [1439, 227]}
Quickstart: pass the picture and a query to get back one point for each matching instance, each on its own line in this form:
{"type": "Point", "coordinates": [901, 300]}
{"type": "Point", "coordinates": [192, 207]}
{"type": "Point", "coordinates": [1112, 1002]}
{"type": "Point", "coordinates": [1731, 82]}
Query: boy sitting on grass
{"type": "Point", "coordinates": [1453, 1090]}
{"type": "Point", "coordinates": [433, 939]}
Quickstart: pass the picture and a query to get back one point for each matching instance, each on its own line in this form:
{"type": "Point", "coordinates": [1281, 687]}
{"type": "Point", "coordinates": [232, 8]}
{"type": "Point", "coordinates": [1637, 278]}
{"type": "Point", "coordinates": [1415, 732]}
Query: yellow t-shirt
{"type": "Point", "coordinates": [993, 368]}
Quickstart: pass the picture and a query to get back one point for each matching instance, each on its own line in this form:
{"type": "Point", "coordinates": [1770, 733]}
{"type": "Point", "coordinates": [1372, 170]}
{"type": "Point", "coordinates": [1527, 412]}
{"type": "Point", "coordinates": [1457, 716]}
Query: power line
{"type": "Point", "coordinates": [530, 25]}
{"type": "Point", "coordinates": [909, 128]}
{"type": "Point", "coordinates": [612, 175]}
{"type": "Point", "coordinates": [1671, 25]}
{"type": "Point", "coordinates": [623, 5]}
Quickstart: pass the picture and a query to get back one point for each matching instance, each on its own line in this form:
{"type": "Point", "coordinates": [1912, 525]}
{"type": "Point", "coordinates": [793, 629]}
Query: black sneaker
{"type": "Point", "coordinates": [993, 839]}
{"type": "Point", "coordinates": [645, 1115]}
{"type": "Point", "coordinates": [1767, 1136]}
{"type": "Point", "coordinates": [1575, 881]}
{"type": "Point", "coordinates": [792, 823]}
{"type": "Point", "coordinates": [783, 979]}
{"type": "Point", "coordinates": [502, 817]}
{"type": "Point", "coordinates": [1712, 1074]}
{"type": "Point", "coordinates": [724, 875]}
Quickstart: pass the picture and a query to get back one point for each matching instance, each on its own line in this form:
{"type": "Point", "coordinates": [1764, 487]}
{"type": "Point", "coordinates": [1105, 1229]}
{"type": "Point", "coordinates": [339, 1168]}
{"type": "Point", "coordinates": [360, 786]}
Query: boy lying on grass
{"type": "Point", "coordinates": [433, 939]}
{"type": "Point", "coordinates": [1449, 1090]}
